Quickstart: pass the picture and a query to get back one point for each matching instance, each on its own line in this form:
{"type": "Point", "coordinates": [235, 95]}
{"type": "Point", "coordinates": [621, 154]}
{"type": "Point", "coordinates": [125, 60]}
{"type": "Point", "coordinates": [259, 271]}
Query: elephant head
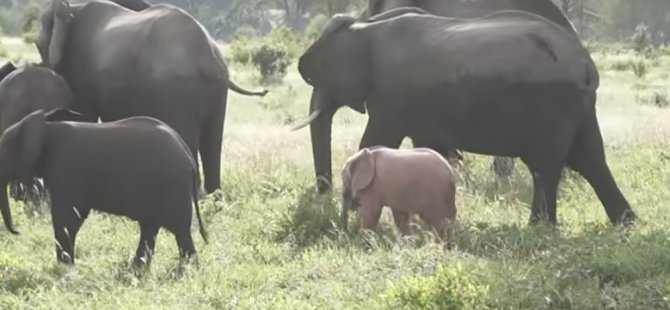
{"type": "Point", "coordinates": [51, 41]}
{"type": "Point", "coordinates": [336, 67]}
{"type": "Point", "coordinates": [357, 174]}
{"type": "Point", "coordinates": [20, 149]}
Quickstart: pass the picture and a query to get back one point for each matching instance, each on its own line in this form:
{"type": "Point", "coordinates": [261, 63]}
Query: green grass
{"type": "Point", "coordinates": [274, 245]}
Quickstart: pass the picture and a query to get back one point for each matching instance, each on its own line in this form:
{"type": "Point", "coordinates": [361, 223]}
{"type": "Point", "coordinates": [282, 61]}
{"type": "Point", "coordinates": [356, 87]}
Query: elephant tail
{"type": "Point", "coordinates": [203, 232]}
{"type": "Point", "coordinates": [236, 88]}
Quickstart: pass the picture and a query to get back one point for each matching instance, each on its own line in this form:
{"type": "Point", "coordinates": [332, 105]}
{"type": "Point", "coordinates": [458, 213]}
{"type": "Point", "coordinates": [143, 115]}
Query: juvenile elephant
{"type": "Point", "coordinates": [510, 84]}
{"type": "Point", "coordinates": [502, 166]}
{"type": "Point", "coordinates": [24, 90]}
{"type": "Point", "coordinates": [158, 62]}
{"type": "Point", "coordinates": [136, 167]}
{"type": "Point", "coordinates": [416, 181]}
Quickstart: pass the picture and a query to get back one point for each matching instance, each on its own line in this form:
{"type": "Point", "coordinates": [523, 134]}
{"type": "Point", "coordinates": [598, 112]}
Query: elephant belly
{"type": "Point", "coordinates": [497, 118]}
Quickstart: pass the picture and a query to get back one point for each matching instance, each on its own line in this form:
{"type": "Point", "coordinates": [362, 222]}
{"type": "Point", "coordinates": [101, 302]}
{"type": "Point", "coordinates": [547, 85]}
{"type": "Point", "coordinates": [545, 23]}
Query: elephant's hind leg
{"type": "Point", "coordinates": [145, 249]}
{"type": "Point", "coordinates": [588, 158]}
{"type": "Point", "coordinates": [545, 186]}
{"type": "Point", "coordinates": [401, 220]}
{"type": "Point", "coordinates": [185, 244]}
{"type": "Point", "coordinates": [66, 223]}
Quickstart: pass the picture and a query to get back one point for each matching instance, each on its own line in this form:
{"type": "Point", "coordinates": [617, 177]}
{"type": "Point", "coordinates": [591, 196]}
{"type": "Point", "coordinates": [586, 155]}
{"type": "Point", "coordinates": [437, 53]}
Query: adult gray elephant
{"type": "Point", "coordinates": [24, 90]}
{"type": "Point", "coordinates": [502, 166]}
{"type": "Point", "coordinates": [158, 62]}
{"type": "Point", "coordinates": [510, 84]}
{"type": "Point", "coordinates": [136, 167]}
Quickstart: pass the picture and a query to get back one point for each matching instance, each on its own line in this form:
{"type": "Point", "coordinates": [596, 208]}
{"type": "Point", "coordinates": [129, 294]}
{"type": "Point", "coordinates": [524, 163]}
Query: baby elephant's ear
{"type": "Point", "coordinates": [363, 172]}
{"type": "Point", "coordinates": [63, 115]}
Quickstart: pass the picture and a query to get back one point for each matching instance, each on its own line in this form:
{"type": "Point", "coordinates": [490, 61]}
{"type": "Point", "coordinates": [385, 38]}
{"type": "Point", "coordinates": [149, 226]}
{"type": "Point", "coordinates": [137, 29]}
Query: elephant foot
{"type": "Point", "coordinates": [627, 219]}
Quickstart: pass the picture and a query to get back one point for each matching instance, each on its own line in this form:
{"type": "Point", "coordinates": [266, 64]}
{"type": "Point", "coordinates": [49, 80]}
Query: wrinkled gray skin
{"type": "Point", "coordinates": [159, 62]}
{"type": "Point", "coordinates": [24, 90]}
{"type": "Point", "coordinates": [136, 167]}
{"type": "Point", "coordinates": [511, 84]}
{"type": "Point", "coordinates": [502, 166]}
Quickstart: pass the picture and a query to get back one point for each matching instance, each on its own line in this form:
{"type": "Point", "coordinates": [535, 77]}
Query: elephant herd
{"type": "Point", "coordinates": [507, 78]}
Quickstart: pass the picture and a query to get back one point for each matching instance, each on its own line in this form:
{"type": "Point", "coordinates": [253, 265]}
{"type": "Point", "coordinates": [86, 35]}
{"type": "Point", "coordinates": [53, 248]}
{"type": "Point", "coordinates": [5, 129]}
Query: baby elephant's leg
{"type": "Point", "coordinates": [145, 249]}
{"type": "Point", "coordinates": [370, 214]}
{"type": "Point", "coordinates": [402, 222]}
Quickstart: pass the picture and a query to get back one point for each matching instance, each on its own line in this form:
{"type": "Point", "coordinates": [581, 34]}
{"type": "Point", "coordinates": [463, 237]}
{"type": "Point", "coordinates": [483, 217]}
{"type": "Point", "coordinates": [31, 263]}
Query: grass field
{"type": "Point", "coordinates": [273, 244]}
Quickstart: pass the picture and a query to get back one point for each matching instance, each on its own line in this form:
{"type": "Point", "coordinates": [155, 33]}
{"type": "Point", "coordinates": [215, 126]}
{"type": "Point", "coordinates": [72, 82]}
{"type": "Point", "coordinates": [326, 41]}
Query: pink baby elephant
{"type": "Point", "coordinates": [411, 181]}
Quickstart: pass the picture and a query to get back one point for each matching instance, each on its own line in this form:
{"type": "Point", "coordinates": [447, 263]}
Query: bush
{"type": "Point", "coordinates": [271, 54]}
{"type": "Point", "coordinates": [271, 60]}
{"type": "Point", "coordinates": [657, 98]}
{"type": "Point", "coordinates": [312, 218]}
{"type": "Point", "coordinates": [639, 68]}
{"type": "Point", "coordinates": [449, 288]}
{"type": "Point", "coordinates": [641, 39]}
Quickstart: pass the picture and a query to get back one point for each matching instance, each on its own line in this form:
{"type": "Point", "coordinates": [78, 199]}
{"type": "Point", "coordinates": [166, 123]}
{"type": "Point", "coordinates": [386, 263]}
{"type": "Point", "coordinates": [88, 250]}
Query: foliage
{"type": "Point", "coordinates": [271, 54]}
{"type": "Point", "coordinates": [451, 288]}
{"type": "Point", "coordinates": [641, 39]}
{"type": "Point", "coordinates": [271, 60]}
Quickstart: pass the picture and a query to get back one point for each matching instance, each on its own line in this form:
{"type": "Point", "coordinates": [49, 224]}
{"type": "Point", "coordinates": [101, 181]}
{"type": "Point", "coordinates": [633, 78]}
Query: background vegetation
{"type": "Point", "coordinates": [274, 245]}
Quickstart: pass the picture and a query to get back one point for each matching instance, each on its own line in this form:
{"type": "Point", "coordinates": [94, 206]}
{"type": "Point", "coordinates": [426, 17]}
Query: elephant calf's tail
{"type": "Point", "coordinates": [234, 87]}
{"type": "Point", "coordinates": [203, 232]}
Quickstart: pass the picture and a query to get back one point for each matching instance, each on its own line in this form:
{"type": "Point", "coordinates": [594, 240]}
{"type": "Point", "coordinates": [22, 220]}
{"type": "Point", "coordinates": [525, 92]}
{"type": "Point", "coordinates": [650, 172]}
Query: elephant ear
{"type": "Point", "coordinates": [363, 171]}
{"type": "Point", "coordinates": [32, 139]}
{"type": "Point", "coordinates": [63, 115]}
{"type": "Point", "coordinates": [22, 143]}
{"type": "Point", "coordinates": [55, 25]}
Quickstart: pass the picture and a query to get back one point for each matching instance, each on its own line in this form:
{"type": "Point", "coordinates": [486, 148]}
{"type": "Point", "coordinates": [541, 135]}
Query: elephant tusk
{"type": "Point", "coordinates": [308, 121]}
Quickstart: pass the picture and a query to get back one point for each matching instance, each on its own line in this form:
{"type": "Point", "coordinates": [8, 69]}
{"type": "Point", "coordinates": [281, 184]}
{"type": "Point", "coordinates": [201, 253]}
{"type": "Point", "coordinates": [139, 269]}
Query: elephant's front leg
{"type": "Point", "coordinates": [145, 250]}
{"type": "Point", "coordinates": [66, 223]}
{"type": "Point", "coordinates": [382, 132]}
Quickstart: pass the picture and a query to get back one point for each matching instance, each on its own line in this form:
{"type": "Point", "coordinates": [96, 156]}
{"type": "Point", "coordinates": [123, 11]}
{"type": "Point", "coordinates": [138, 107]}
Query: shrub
{"type": "Point", "coordinates": [271, 60]}
{"type": "Point", "coordinates": [639, 68]}
{"type": "Point", "coordinates": [30, 37]}
{"type": "Point", "coordinates": [450, 288]}
{"type": "Point", "coordinates": [312, 218]}
{"type": "Point", "coordinates": [641, 39]}
{"type": "Point", "coordinates": [657, 98]}
{"type": "Point", "coordinates": [271, 54]}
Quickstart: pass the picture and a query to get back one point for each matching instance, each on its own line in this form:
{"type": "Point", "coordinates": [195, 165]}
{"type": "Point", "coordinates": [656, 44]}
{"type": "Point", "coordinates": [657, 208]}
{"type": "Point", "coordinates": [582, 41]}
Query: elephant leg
{"type": "Point", "coordinates": [381, 133]}
{"type": "Point", "coordinates": [185, 244]}
{"type": "Point", "coordinates": [401, 220]}
{"type": "Point", "coordinates": [370, 216]}
{"type": "Point", "coordinates": [545, 186]}
{"type": "Point", "coordinates": [587, 157]}
{"type": "Point", "coordinates": [66, 224]}
{"type": "Point", "coordinates": [145, 249]}
{"type": "Point", "coordinates": [210, 150]}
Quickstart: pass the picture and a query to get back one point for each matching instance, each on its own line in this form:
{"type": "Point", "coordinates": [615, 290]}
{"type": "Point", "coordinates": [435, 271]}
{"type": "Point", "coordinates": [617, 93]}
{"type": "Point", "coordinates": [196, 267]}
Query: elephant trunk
{"type": "Point", "coordinates": [4, 208]}
{"type": "Point", "coordinates": [320, 130]}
